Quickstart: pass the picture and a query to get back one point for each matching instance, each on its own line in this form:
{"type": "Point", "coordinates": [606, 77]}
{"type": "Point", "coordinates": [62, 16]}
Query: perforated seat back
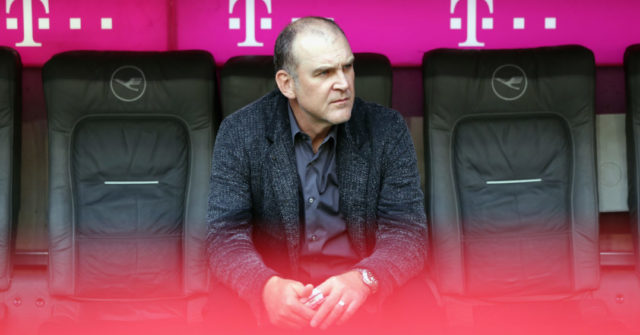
{"type": "Point", "coordinates": [10, 104]}
{"type": "Point", "coordinates": [510, 160]}
{"type": "Point", "coordinates": [632, 73]}
{"type": "Point", "coordinates": [243, 79]}
{"type": "Point", "coordinates": [130, 139]}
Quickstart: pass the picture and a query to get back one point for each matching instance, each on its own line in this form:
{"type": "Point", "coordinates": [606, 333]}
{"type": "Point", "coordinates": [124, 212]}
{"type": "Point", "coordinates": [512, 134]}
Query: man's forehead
{"type": "Point", "coordinates": [314, 46]}
{"type": "Point", "coordinates": [318, 33]}
{"type": "Point", "coordinates": [315, 26]}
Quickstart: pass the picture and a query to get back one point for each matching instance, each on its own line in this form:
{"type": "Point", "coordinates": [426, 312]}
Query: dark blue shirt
{"type": "Point", "coordinates": [326, 249]}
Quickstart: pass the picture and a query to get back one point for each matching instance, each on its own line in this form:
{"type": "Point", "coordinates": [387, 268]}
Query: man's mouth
{"type": "Point", "coordinates": [340, 101]}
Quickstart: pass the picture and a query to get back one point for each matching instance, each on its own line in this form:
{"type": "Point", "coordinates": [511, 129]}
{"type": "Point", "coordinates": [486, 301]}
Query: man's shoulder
{"type": "Point", "coordinates": [375, 118]}
{"type": "Point", "coordinates": [250, 125]}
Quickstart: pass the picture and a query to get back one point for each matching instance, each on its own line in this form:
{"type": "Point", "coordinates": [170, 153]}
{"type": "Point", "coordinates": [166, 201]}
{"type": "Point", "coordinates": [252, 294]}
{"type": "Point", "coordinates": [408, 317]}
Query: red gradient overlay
{"type": "Point", "coordinates": [416, 308]}
{"type": "Point", "coordinates": [402, 30]}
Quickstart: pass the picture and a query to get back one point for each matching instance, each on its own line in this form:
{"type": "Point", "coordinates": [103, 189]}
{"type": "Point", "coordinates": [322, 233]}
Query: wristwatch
{"type": "Point", "coordinates": [369, 279]}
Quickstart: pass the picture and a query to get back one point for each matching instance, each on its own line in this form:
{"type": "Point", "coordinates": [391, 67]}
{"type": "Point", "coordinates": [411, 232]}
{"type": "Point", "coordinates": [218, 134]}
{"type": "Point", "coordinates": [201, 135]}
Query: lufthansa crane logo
{"type": "Point", "coordinates": [128, 83]}
{"type": "Point", "coordinates": [509, 82]}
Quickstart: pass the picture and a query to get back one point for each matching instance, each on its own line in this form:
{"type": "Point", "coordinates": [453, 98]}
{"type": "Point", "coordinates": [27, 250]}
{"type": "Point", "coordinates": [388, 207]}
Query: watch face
{"type": "Point", "coordinates": [369, 279]}
{"type": "Point", "coordinates": [366, 276]}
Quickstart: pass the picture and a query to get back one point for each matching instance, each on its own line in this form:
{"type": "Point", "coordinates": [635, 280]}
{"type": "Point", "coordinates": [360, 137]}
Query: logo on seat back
{"type": "Point", "coordinates": [128, 83]}
{"type": "Point", "coordinates": [509, 82]}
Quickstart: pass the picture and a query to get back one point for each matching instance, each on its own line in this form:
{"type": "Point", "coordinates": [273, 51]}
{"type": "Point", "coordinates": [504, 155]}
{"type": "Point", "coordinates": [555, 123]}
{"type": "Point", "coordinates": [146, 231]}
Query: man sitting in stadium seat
{"type": "Point", "coordinates": [316, 215]}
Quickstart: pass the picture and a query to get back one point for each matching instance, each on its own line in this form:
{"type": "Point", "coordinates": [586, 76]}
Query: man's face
{"type": "Point", "coordinates": [324, 88]}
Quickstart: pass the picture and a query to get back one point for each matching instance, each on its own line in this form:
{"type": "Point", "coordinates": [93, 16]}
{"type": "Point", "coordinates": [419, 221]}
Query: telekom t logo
{"type": "Point", "coordinates": [27, 21]}
{"type": "Point", "coordinates": [250, 22]}
{"type": "Point", "coordinates": [472, 40]}
{"type": "Point", "coordinates": [550, 22]}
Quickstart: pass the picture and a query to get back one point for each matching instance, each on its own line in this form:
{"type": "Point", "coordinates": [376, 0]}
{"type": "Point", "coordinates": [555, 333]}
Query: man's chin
{"type": "Point", "coordinates": [341, 116]}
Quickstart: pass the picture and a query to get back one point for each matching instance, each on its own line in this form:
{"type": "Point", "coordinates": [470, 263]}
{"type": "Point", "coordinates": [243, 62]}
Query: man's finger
{"type": "Point", "coordinates": [325, 288]}
{"type": "Point", "coordinates": [301, 310]}
{"type": "Point", "coordinates": [335, 313]}
{"type": "Point", "coordinates": [303, 291]}
{"type": "Point", "coordinates": [351, 309]}
{"type": "Point", "coordinates": [324, 311]}
{"type": "Point", "coordinates": [291, 316]}
{"type": "Point", "coordinates": [292, 304]}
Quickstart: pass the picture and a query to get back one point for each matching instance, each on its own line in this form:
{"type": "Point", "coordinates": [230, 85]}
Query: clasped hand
{"type": "Point", "coordinates": [285, 301]}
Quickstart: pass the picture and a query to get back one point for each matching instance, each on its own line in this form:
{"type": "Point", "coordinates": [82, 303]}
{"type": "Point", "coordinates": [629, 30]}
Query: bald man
{"type": "Point", "coordinates": [316, 217]}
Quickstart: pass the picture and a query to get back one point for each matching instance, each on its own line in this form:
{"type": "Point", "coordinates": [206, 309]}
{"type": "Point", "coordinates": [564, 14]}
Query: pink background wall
{"type": "Point", "coordinates": [401, 29]}
{"type": "Point", "coordinates": [136, 25]}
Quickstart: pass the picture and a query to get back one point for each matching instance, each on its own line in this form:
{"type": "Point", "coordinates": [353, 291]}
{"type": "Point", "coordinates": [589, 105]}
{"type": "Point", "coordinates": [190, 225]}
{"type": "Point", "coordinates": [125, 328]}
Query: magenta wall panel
{"type": "Point", "coordinates": [404, 29]}
{"type": "Point", "coordinates": [40, 28]}
{"type": "Point", "coordinates": [401, 29]}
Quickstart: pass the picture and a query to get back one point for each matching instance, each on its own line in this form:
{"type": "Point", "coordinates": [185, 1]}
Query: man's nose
{"type": "Point", "coordinates": [342, 82]}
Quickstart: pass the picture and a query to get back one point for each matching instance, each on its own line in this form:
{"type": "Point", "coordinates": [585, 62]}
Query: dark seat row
{"type": "Point", "coordinates": [244, 79]}
{"type": "Point", "coordinates": [130, 138]}
{"type": "Point", "coordinates": [510, 157]}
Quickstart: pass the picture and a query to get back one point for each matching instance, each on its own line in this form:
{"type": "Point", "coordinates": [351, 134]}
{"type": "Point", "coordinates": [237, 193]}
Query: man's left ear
{"type": "Point", "coordinates": [285, 84]}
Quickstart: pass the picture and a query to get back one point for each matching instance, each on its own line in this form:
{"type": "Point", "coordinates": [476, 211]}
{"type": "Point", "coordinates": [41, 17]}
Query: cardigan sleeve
{"type": "Point", "coordinates": [401, 236]}
{"type": "Point", "coordinates": [233, 258]}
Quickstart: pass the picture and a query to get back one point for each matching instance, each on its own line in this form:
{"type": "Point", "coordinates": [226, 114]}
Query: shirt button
{"type": "Point", "coordinates": [314, 238]}
{"type": "Point", "coordinates": [311, 200]}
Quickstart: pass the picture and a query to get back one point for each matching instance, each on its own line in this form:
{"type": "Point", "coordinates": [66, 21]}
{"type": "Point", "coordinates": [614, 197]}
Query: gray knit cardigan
{"type": "Point", "coordinates": [255, 207]}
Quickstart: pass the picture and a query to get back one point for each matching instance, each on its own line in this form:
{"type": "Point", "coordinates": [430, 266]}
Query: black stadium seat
{"type": "Point", "coordinates": [374, 78]}
{"type": "Point", "coordinates": [244, 79]}
{"type": "Point", "coordinates": [510, 159]}
{"type": "Point", "coordinates": [632, 72]}
{"type": "Point", "coordinates": [10, 107]}
{"type": "Point", "coordinates": [130, 140]}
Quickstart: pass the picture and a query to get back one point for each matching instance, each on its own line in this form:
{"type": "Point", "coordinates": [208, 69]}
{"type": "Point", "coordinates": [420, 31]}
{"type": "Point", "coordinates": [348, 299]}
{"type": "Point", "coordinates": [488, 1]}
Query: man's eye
{"type": "Point", "coordinates": [348, 66]}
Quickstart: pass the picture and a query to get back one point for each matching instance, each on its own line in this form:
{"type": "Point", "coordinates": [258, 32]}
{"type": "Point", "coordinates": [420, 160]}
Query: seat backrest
{"type": "Point", "coordinates": [374, 78]}
{"type": "Point", "coordinates": [632, 74]}
{"type": "Point", "coordinates": [243, 79]}
{"type": "Point", "coordinates": [511, 181]}
{"type": "Point", "coordinates": [130, 140]}
{"type": "Point", "coordinates": [10, 108]}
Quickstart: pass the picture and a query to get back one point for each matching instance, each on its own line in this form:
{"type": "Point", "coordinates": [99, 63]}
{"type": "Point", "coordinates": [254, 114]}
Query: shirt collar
{"type": "Point", "coordinates": [295, 129]}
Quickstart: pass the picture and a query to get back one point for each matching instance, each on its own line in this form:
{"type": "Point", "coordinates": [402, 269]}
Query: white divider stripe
{"type": "Point", "coordinates": [515, 181]}
{"type": "Point", "coordinates": [131, 182]}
